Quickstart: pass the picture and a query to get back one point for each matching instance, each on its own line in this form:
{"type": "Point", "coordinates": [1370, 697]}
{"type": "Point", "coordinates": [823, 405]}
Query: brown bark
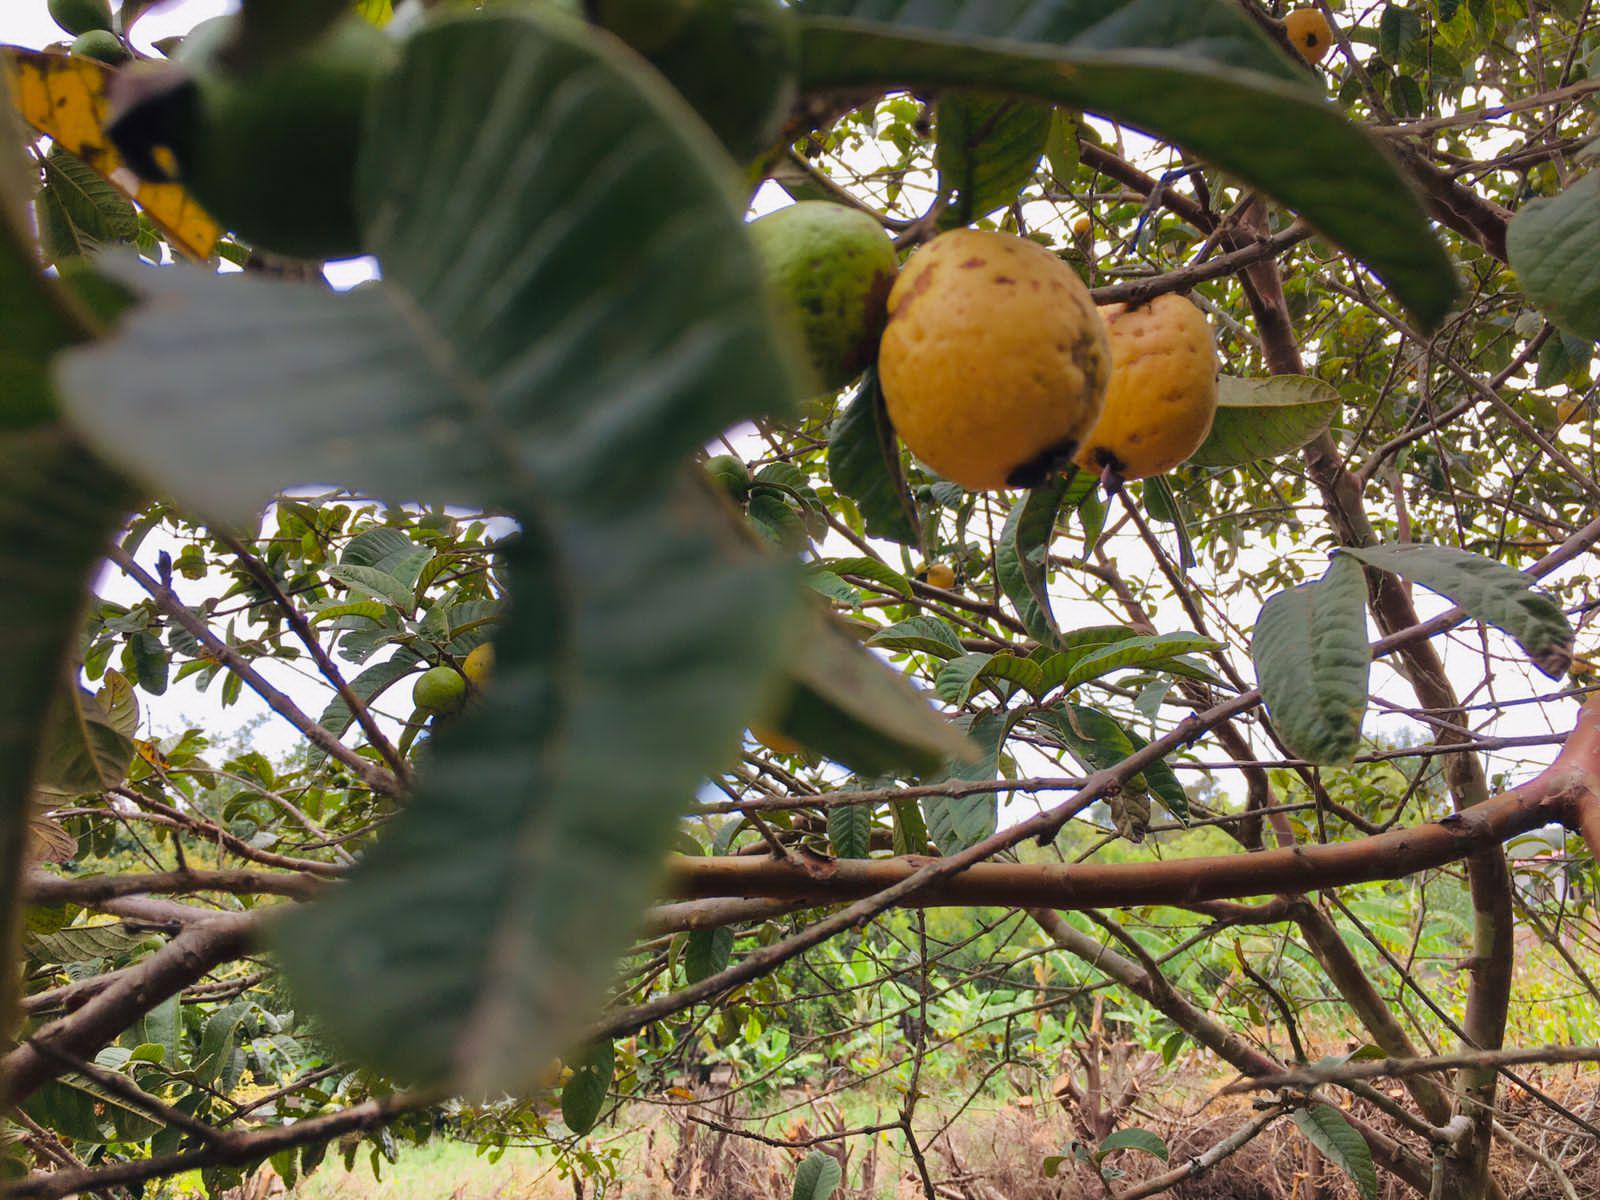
{"type": "Point", "coordinates": [188, 957]}
{"type": "Point", "coordinates": [1560, 794]}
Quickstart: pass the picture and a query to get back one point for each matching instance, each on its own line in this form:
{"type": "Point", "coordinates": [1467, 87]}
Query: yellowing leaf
{"type": "Point", "coordinates": [64, 98]}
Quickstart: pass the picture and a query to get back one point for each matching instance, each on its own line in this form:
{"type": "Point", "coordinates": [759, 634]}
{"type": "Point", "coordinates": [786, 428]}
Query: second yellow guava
{"type": "Point", "coordinates": [994, 362]}
{"type": "Point", "coordinates": [1163, 393]}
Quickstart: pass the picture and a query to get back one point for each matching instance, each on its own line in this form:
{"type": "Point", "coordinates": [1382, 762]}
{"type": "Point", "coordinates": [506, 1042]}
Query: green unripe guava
{"type": "Point", "coordinates": [271, 153]}
{"type": "Point", "coordinates": [734, 61]}
{"type": "Point", "coordinates": [833, 267]}
{"type": "Point", "coordinates": [728, 473]}
{"type": "Point", "coordinates": [441, 691]}
{"type": "Point", "coordinates": [80, 16]}
{"type": "Point", "coordinates": [101, 45]}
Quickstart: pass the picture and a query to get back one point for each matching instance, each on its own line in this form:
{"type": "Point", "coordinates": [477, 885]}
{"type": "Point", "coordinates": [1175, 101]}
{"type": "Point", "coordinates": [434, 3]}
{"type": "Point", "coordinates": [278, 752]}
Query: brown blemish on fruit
{"type": "Point", "coordinates": [972, 264]}
{"type": "Point", "coordinates": [918, 285]}
{"type": "Point", "coordinates": [1005, 279]}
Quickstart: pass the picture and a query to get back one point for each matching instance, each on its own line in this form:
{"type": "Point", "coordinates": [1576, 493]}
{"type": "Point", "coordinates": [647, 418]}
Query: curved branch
{"type": "Point", "coordinates": [186, 958]}
{"type": "Point", "coordinates": [1558, 795]}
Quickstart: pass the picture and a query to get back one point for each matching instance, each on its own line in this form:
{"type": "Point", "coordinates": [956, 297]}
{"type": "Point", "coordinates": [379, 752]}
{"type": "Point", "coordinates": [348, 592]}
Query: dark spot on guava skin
{"type": "Point", "coordinates": [1049, 461]}
{"type": "Point", "coordinates": [1083, 352]}
{"type": "Point", "coordinates": [972, 264]}
{"type": "Point", "coordinates": [1005, 279]}
{"type": "Point", "coordinates": [919, 285]}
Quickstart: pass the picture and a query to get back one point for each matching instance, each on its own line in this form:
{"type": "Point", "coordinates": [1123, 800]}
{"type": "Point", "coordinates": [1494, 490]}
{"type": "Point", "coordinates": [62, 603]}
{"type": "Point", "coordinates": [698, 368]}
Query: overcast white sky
{"type": "Point", "coordinates": [27, 23]}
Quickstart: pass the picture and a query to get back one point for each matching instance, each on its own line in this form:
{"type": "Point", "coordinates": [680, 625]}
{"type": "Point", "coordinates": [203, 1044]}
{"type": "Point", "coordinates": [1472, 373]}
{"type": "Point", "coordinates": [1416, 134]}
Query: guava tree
{"type": "Point", "coordinates": [638, 665]}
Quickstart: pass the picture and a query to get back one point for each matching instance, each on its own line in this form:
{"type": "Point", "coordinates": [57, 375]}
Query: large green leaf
{"type": "Point", "coordinates": [864, 464]}
{"type": "Point", "coordinates": [1143, 651]}
{"type": "Point", "coordinates": [1022, 548]}
{"type": "Point", "coordinates": [1312, 661]}
{"type": "Point", "coordinates": [481, 926]}
{"type": "Point", "coordinates": [1265, 418]}
{"type": "Point", "coordinates": [1196, 72]}
{"type": "Point", "coordinates": [569, 306]}
{"type": "Point", "coordinates": [817, 1178]}
{"type": "Point", "coordinates": [925, 635]}
{"type": "Point", "coordinates": [852, 708]}
{"type": "Point", "coordinates": [956, 822]}
{"type": "Point", "coordinates": [79, 210]}
{"type": "Point", "coordinates": [1098, 741]}
{"type": "Point", "coordinates": [850, 830]}
{"type": "Point", "coordinates": [1340, 1143]}
{"type": "Point", "coordinates": [1132, 1139]}
{"type": "Point", "coordinates": [584, 1095]}
{"type": "Point", "coordinates": [1554, 246]}
{"type": "Point", "coordinates": [988, 149]}
{"type": "Point", "coordinates": [1489, 591]}
{"type": "Point", "coordinates": [368, 686]}
{"type": "Point", "coordinates": [706, 952]}
{"type": "Point", "coordinates": [82, 751]}
{"type": "Point", "coordinates": [1163, 781]}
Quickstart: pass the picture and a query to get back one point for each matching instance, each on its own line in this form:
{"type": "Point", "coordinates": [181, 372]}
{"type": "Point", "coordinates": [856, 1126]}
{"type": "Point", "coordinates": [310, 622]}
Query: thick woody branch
{"type": "Point", "coordinates": [1405, 1068]}
{"type": "Point", "coordinates": [229, 1149]}
{"type": "Point", "coordinates": [1556, 796]}
{"type": "Point", "coordinates": [52, 889]}
{"type": "Point", "coordinates": [188, 957]}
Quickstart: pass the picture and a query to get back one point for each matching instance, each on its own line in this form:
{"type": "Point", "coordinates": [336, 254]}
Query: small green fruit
{"type": "Point", "coordinates": [270, 154]}
{"type": "Point", "coordinates": [441, 691]}
{"type": "Point", "coordinates": [734, 61]}
{"type": "Point", "coordinates": [833, 267]}
{"type": "Point", "coordinates": [101, 45]}
{"type": "Point", "coordinates": [80, 16]}
{"type": "Point", "coordinates": [728, 473]}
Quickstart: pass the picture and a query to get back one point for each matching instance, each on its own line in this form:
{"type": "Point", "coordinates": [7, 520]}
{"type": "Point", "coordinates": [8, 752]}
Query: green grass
{"type": "Point", "coordinates": [440, 1170]}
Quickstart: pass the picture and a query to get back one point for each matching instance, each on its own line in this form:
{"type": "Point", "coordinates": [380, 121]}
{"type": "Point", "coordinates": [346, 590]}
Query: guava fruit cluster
{"type": "Point", "coordinates": [999, 371]}
{"type": "Point", "coordinates": [443, 691]}
{"type": "Point", "coordinates": [93, 30]}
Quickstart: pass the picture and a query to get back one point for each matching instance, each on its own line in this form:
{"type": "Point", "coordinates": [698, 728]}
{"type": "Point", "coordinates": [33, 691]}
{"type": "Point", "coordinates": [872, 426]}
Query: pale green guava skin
{"type": "Point", "coordinates": [833, 267]}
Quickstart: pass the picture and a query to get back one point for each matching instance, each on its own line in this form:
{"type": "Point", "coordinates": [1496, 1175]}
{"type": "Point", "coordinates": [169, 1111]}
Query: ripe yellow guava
{"type": "Point", "coordinates": [939, 575]}
{"type": "Point", "coordinates": [270, 154]}
{"type": "Point", "coordinates": [479, 665]}
{"type": "Point", "coordinates": [1163, 393]}
{"type": "Point", "coordinates": [994, 362]}
{"type": "Point", "coordinates": [773, 740]}
{"type": "Point", "coordinates": [734, 61]}
{"type": "Point", "coordinates": [80, 16]}
{"type": "Point", "coordinates": [1310, 32]}
{"type": "Point", "coordinates": [832, 267]}
{"type": "Point", "coordinates": [441, 691]}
